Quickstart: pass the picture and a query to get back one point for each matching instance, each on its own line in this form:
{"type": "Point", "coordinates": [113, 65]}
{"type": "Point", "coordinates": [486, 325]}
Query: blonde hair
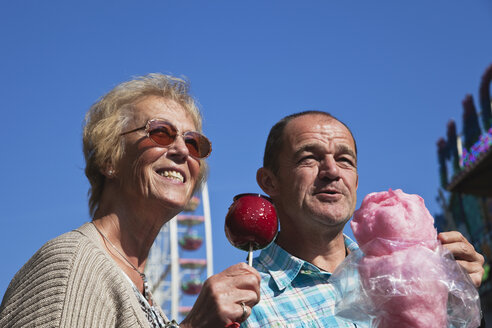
{"type": "Point", "coordinates": [106, 119]}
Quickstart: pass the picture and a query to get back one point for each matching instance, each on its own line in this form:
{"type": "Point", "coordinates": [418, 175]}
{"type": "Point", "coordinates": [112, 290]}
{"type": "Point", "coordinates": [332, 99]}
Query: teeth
{"type": "Point", "coordinates": [173, 175]}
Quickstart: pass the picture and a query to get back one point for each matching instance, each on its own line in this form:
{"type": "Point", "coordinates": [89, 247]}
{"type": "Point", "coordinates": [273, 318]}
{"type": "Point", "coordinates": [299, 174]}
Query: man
{"type": "Point", "coordinates": [310, 172]}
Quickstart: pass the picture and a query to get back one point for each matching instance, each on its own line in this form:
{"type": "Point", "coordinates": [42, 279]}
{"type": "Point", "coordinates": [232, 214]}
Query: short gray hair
{"type": "Point", "coordinates": [274, 142]}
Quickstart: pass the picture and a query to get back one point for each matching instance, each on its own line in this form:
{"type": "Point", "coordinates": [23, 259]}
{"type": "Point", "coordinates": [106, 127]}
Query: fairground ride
{"type": "Point", "coordinates": [181, 257]}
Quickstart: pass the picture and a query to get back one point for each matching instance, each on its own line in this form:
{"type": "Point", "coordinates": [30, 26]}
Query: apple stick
{"type": "Point", "coordinates": [250, 254]}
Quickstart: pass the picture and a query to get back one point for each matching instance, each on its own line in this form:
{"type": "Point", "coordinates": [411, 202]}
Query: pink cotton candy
{"type": "Point", "coordinates": [400, 272]}
{"type": "Point", "coordinates": [405, 288]}
{"type": "Point", "coordinates": [393, 215]}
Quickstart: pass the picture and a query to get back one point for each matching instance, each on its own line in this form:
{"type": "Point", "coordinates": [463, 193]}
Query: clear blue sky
{"type": "Point", "coordinates": [394, 71]}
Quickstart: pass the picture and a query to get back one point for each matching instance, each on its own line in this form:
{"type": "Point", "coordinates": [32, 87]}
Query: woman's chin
{"type": "Point", "coordinates": [173, 204]}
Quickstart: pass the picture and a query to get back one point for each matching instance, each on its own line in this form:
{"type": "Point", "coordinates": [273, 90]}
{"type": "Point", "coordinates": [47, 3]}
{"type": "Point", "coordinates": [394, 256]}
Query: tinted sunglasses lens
{"type": "Point", "coordinates": [198, 145]}
{"type": "Point", "coordinates": [162, 133]}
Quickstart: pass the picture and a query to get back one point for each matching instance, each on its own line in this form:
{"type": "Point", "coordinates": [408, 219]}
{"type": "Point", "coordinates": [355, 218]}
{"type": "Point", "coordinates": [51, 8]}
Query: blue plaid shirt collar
{"type": "Point", "coordinates": [284, 267]}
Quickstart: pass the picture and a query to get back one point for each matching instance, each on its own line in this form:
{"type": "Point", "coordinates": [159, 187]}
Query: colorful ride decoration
{"type": "Point", "coordinates": [479, 148]}
{"type": "Point", "coordinates": [190, 240]}
{"type": "Point", "coordinates": [190, 220]}
{"type": "Point", "coordinates": [193, 264]}
{"type": "Point", "coordinates": [192, 270]}
{"type": "Point", "coordinates": [192, 287]}
{"type": "Point", "coordinates": [464, 152]}
{"type": "Point", "coordinates": [191, 281]}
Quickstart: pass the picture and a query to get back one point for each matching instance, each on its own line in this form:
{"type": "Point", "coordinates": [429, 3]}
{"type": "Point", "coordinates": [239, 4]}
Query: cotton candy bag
{"type": "Point", "coordinates": [402, 276]}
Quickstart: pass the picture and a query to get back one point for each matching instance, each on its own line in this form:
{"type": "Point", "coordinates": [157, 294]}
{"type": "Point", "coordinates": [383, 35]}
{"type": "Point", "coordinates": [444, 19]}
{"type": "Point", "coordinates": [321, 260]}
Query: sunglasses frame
{"type": "Point", "coordinates": [147, 130]}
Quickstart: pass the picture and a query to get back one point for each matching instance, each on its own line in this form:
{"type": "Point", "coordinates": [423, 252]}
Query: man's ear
{"type": "Point", "coordinates": [267, 181]}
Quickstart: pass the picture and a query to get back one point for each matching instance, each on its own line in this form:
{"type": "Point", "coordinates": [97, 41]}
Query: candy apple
{"type": "Point", "coordinates": [251, 222]}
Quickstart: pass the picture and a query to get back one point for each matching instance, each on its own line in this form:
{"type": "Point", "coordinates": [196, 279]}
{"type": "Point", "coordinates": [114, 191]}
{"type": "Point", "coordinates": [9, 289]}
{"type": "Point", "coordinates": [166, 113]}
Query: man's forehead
{"type": "Point", "coordinates": [324, 119]}
{"type": "Point", "coordinates": [315, 123]}
{"type": "Point", "coordinates": [293, 137]}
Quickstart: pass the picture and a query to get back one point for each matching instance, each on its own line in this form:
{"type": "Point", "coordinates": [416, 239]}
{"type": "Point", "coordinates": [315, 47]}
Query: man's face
{"type": "Point", "coordinates": [317, 179]}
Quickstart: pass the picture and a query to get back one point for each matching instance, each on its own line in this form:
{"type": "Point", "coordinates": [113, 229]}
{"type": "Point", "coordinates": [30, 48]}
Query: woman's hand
{"type": "Point", "coordinates": [465, 254]}
{"type": "Point", "coordinates": [219, 302]}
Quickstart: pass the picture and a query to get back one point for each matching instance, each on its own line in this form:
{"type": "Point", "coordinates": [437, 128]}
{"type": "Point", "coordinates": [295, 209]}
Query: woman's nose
{"type": "Point", "coordinates": [178, 148]}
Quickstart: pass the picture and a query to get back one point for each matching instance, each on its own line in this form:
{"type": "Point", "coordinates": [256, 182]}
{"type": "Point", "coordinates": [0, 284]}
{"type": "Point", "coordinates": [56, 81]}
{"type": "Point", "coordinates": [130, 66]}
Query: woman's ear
{"type": "Point", "coordinates": [108, 171]}
{"type": "Point", "coordinates": [267, 181]}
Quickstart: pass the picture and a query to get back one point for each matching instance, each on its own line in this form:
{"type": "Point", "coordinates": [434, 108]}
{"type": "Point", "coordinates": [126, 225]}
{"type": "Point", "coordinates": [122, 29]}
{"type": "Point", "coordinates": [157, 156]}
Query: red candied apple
{"type": "Point", "coordinates": [251, 220]}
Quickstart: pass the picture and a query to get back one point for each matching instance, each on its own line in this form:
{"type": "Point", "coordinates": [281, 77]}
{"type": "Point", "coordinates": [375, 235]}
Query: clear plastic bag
{"type": "Point", "coordinates": [405, 284]}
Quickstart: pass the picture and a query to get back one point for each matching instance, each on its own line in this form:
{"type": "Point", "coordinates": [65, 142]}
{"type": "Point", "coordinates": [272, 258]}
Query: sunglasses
{"type": "Point", "coordinates": [164, 133]}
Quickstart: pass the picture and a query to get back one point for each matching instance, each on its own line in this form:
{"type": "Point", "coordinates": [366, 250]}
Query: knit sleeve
{"type": "Point", "coordinates": [69, 282]}
{"type": "Point", "coordinates": [37, 292]}
{"type": "Point", "coordinates": [97, 295]}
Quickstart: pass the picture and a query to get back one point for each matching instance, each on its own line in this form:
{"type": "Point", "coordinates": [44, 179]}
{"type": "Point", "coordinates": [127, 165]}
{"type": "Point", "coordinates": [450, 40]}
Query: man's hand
{"type": "Point", "coordinates": [219, 302]}
{"type": "Point", "coordinates": [464, 253]}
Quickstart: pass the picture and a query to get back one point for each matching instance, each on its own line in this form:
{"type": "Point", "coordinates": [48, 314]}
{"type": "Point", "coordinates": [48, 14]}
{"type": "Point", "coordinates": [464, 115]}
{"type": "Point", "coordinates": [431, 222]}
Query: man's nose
{"type": "Point", "coordinates": [329, 168]}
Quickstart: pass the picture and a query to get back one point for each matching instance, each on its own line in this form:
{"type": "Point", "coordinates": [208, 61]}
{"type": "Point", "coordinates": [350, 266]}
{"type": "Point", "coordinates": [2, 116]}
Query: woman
{"type": "Point", "coordinates": [144, 157]}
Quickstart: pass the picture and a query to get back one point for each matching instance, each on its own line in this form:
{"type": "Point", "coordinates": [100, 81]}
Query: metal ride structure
{"type": "Point", "coordinates": [181, 257]}
{"type": "Point", "coordinates": [465, 167]}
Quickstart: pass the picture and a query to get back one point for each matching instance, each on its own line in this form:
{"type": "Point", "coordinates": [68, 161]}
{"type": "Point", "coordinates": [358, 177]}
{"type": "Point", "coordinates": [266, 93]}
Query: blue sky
{"type": "Point", "coordinates": [395, 72]}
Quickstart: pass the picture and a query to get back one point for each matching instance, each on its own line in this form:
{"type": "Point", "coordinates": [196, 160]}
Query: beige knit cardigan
{"type": "Point", "coordinates": [71, 282]}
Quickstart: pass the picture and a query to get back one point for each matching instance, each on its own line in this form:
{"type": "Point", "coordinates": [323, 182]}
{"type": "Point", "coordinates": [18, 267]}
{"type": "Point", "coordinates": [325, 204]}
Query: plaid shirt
{"type": "Point", "coordinates": [294, 293]}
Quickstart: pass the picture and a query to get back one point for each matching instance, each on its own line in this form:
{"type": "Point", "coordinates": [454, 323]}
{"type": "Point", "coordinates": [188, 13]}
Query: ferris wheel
{"type": "Point", "coordinates": [181, 257]}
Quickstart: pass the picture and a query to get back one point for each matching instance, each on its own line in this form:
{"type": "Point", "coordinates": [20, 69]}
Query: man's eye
{"type": "Point", "coordinates": [307, 159]}
{"type": "Point", "coordinates": [346, 160]}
